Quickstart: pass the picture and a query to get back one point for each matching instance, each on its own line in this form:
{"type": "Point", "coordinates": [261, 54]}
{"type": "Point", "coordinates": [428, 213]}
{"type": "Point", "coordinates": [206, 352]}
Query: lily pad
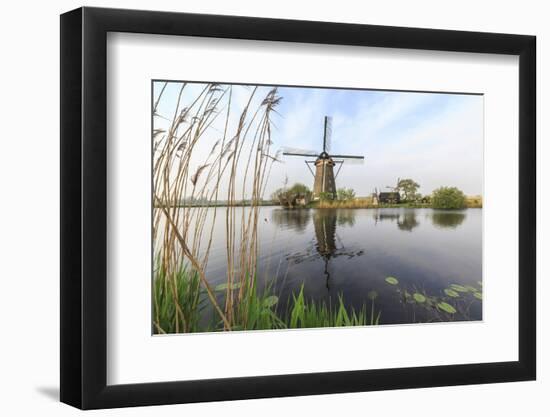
{"type": "Point", "coordinates": [223, 287]}
{"type": "Point", "coordinates": [446, 307]}
{"type": "Point", "coordinates": [470, 288]}
{"type": "Point", "coordinates": [451, 293]}
{"type": "Point", "coordinates": [478, 295]}
{"type": "Point", "coordinates": [419, 298]}
{"type": "Point", "coordinates": [392, 281]}
{"type": "Point", "coordinates": [459, 288]}
{"type": "Point", "coordinates": [271, 301]}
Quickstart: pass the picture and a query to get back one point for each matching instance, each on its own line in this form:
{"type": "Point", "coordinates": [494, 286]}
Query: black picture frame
{"type": "Point", "coordinates": [84, 207]}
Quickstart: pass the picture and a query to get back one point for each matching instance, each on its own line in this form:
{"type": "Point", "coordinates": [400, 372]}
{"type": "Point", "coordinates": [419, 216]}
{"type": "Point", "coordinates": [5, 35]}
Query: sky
{"type": "Point", "coordinates": [435, 139]}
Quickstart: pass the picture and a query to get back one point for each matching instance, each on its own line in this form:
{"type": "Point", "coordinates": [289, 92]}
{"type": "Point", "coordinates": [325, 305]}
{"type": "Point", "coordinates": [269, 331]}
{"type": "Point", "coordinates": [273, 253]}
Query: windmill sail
{"type": "Point", "coordinates": [324, 178]}
{"type": "Point", "coordinates": [327, 134]}
{"type": "Point", "coordinates": [299, 152]}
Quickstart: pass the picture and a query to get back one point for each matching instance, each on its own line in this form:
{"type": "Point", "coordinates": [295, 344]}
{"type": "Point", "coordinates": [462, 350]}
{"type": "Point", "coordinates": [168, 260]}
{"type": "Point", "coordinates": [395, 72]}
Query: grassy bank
{"type": "Point", "coordinates": [179, 304]}
{"type": "Point", "coordinates": [360, 204]}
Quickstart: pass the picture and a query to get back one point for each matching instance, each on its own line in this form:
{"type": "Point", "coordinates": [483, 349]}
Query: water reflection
{"type": "Point", "coordinates": [405, 220]}
{"type": "Point", "coordinates": [296, 219]}
{"type": "Point", "coordinates": [327, 244]}
{"type": "Point", "coordinates": [447, 219]}
{"type": "Point", "coordinates": [346, 217]}
{"type": "Point", "coordinates": [382, 216]}
{"type": "Point", "coordinates": [324, 223]}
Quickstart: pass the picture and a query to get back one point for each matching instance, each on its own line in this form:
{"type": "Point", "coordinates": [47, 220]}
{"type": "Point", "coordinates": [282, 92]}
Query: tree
{"type": "Point", "coordinates": [346, 194]}
{"type": "Point", "coordinates": [407, 188]}
{"type": "Point", "coordinates": [448, 198]}
{"type": "Point", "coordinates": [297, 190]}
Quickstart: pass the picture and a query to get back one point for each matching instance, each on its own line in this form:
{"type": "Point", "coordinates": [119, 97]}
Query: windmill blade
{"type": "Point", "coordinates": [347, 156]}
{"type": "Point", "coordinates": [348, 159]}
{"type": "Point", "coordinates": [327, 135]}
{"type": "Point", "coordinates": [299, 152]}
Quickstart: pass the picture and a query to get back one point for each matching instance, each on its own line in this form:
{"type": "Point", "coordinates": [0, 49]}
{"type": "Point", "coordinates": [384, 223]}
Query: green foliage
{"type": "Point", "coordinates": [446, 307]}
{"type": "Point", "coordinates": [419, 298]}
{"type": "Point", "coordinates": [459, 288]}
{"type": "Point", "coordinates": [325, 196]}
{"type": "Point", "coordinates": [451, 293]}
{"type": "Point", "coordinates": [299, 188]}
{"type": "Point", "coordinates": [177, 302]}
{"type": "Point", "coordinates": [392, 280]}
{"type": "Point", "coordinates": [304, 314]}
{"type": "Point", "coordinates": [453, 305]}
{"type": "Point", "coordinates": [224, 286]}
{"type": "Point", "coordinates": [271, 301]}
{"type": "Point", "coordinates": [448, 198]}
{"type": "Point", "coordinates": [346, 194]}
{"type": "Point", "coordinates": [256, 310]}
{"type": "Point", "coordinates": [180, 310]}
{"type": "Point", "coordinates": [407, 188]}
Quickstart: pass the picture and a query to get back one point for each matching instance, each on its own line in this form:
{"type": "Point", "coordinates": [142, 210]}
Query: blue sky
{"type": "Point", "coordinates": [435, 139]}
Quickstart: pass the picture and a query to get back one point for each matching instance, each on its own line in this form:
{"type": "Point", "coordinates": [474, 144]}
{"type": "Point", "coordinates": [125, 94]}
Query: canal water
{"type": "Point", "coordinates": [351, 252]}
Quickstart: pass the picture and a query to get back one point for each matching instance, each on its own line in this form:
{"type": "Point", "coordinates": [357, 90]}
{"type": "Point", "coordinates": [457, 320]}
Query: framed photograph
{"type": "Point", "coordinates": [257, 208]}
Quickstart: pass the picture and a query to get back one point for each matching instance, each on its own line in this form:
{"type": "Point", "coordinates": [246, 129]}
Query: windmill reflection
{"type": "Point", "coordinates": [326, 244]}
{"type": "Point", "coordinates": [324, 223]}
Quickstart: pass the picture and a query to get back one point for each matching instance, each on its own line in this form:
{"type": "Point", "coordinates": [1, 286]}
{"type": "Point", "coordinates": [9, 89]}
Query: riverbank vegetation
{"type": "Point", "coordinates": [183, 307]}
{"type": "Point", "coordinates": [407, 189]}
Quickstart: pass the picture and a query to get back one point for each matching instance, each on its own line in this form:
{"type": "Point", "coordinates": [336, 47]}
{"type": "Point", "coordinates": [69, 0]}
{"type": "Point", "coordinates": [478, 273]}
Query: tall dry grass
{"type": "Point", "coordinates": [236, 169]}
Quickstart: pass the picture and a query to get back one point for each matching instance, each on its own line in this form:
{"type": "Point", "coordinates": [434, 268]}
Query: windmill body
{"type": "Point", "coordinates": [324, 183]}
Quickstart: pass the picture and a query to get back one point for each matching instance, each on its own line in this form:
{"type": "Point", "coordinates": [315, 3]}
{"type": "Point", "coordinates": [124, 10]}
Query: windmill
{"type": "Point", "coordinates": [324, 178]}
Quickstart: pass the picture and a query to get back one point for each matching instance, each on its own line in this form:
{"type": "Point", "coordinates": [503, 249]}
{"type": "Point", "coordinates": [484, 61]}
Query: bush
{"type": "Point", "coordinates": [325, 196]}
{"type": "Point", "coordinates": [346, 194]}
{"type": "Point", "coordinates": [448, 198]}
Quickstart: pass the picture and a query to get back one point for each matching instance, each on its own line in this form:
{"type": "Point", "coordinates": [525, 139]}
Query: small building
{"type": "Point", "coordinates": [389, 198]}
